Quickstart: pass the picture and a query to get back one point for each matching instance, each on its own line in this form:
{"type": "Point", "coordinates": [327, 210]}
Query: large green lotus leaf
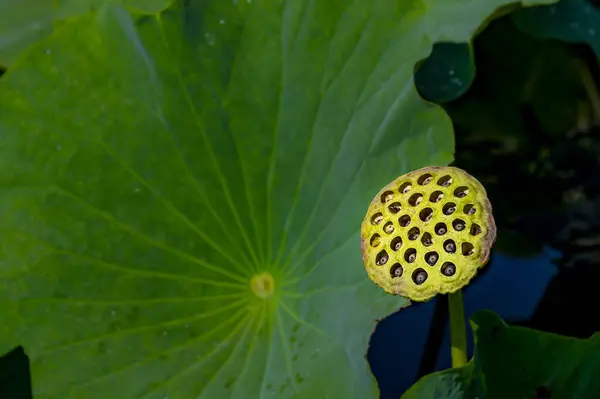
{"type": "Point", "coordinates": [23, 22]}
{"type": "Point", "coordinates": [518, 362]}
{"type": "Point", "coordinates": [153, 165]}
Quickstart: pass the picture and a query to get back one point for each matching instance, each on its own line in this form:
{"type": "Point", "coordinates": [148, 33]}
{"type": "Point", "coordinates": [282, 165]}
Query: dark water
{"type": "Point", "coordinates": [510, 286]}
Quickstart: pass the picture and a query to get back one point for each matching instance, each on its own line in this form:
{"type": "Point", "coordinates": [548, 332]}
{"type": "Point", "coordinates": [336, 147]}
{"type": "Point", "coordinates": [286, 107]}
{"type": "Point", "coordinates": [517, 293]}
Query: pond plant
{"type": "Point", "coordinates": [182, 188]}
{"type": "Point", "coordinates": [427, 233]}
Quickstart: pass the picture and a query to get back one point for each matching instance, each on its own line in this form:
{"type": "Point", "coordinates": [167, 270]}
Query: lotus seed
{"type": "Point", "coordinates": [449, 210]}
{"type": "Point", "coordinates": [459, 225]}
{"type": "Point", "coordinates": [467, 249]}
{"type": "Point", "coordinates": [461, 192]}
{"type": "Point", "coordinates": [404, 220]}
{"type": "Point", "coordinates": [382, 258]}
{"type": "Point", "coordinates": [445, 181]}
{"type": "Point", "coordinates": [436, 196]}
{"type": "Point", "coordinates": [450, 247]}
{"type": "Point", "coordinates": [377, 218]}
{"type": "Point", "coordinates": [432, 258]}
{"type": "Point", "coordinates": [415, 199]}
{"type": "Point", "coordinates": [419, 276]}
{"type": "Point", "coordinates": [426, 240]}
{"type": "Point", "coordinates": [396, 270]}
{"type": "Point", "coordinates": [475, 229]}
{"type": "Point", "coordinates": [375, 240]}
{"type": "Point", "coordinates": [448, 269]}
{"type": "Point", "coordinates": [413, 234]}
{"type": "Point", "coordinates": [426, 214]}
{"type": "Point", "coordinates": [411, 255]}
{"type": "Point", "coordinates": [387, 196]}
{"type": "Point", "coordinates": [395, 207]}
{"type": "Point", "coordinates": [405, 188]}
{"type": "Point", "coordinates": [388, 228]}
{"type": "Point", "coordinates": [469, 209]}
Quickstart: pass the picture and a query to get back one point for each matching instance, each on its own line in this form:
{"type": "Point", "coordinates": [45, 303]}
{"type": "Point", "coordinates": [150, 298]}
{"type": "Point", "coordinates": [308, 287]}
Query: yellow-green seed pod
{"type": "Point", "coordinates": [427, 232]}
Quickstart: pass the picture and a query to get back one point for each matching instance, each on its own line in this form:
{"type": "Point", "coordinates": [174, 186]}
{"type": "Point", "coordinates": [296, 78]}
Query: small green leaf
{"type": "Point", "coordinates": [447, 73]}
{"type": "Point", "coordinates": [518, 362]}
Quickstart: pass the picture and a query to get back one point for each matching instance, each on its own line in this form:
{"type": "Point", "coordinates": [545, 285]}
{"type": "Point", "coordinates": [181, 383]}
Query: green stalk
{"type": "Point", "coordinates": [458, 332]}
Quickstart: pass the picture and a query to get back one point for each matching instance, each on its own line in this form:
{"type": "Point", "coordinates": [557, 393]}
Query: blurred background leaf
{"type": "Point", "coordinates": [507, 364]}
{"type": "Point", "coordinates": [447, 73]}
{"type": "Point", "coordinates": [575, 21]}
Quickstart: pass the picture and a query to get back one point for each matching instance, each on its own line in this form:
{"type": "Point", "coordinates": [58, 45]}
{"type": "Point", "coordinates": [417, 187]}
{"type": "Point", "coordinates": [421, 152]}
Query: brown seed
{"type": "Point", "coordinates": [448, 269]}
{"type": "Point", "coordinates": [396, 243]}
{"type": "Point", "coordinates": [431, 258]}
{"type": "Point", "coordinates": [440, 229]}
{"type": "Point", "coordinates": [436, 196]}
{"type": "Point", "coordinates": [375, 240]}
{"type": "Point", "coordinates": [461, 192]}
{"type": "Point", "coordinates": [382, 258]}
{"type": "Point", "coordinates": [413, 233]}
{"type": "Point", "coordinates": [419, 276]}
{"type": "Point", "coordinates": [389, 227]}
{"type": "Point", "coordinates": [376, 219]}
{"type": "Point", "coordinates": [449, 208]}
{"type": "Point", "coordinates": [387, 196]}
{"type": "Point", "coordinates": [450, 246]}
{"type": "Point", "coordinates": [475, 229]}
{"type": "Point", "coordinates": [405, 188]}
{"type": "Point", "coordinates": [458, 225]}
{"type": "Point", "coordinates": [445, 181]}
{"type": "Point", "coordinates": [410, 255]}
{"type": "Point", "coordinates": [469, 209]}
{"type": "Point", "coordinates": [396, 270]}
{"type": "Point", "coordinates": [426, 239]}
{"type": "Point", "coordinates": [404, 220]}
{"type": "Point", "coordinates": [395, 207]}
{"type": "Point", "coordinates": [425, 179]}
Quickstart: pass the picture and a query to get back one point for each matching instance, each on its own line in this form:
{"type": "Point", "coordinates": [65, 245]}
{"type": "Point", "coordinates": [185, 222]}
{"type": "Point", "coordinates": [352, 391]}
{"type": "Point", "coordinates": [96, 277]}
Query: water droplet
{"type": "Point", "coordinates": [47, 51]}
{"type": "Point", "coordinates": [210, 39]}
{"type": "Point", "coordinates": [574, 25]}
{"type": "Point", "coordinates": [113, 312]}
{"type": "Point", "coordinates": [136, 190]}
{"type": "Point", "coordinates": [451, 72]}
{"type": "Point", "coordinates": [164, 333]}
{"type": "Point", "coordinates": [187, 325]}
{"type": "Point", "coordinates": [222, 21]}
{"type": "Point", "coordinates": [59, 147]}
{"type": "Point", "coordinates": [591, 32]}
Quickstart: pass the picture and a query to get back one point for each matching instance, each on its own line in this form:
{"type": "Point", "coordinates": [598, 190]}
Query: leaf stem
{"type": "Point", "coordinates": [458, 332]}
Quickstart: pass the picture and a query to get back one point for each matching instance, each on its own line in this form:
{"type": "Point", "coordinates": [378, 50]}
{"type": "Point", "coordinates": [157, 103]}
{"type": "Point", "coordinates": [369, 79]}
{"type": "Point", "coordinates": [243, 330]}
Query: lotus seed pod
{"type": "Point", "coordinates": [427, 233]}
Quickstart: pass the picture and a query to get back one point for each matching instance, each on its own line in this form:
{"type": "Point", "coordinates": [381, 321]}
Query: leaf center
{"type": "Point", "coordinates": [262, 285]}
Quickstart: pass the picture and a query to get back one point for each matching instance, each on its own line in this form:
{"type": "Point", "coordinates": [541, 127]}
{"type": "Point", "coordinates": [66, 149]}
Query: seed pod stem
{"type": "Point", "coordinates": [458, 333]}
